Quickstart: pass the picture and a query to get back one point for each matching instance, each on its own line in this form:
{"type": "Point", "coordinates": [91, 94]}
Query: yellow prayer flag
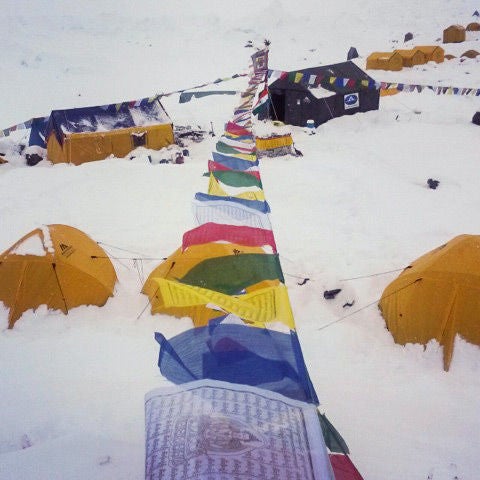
{"type": "Point", "coordinates": [214, 187]}
{"type": "Point", "coordinates": [251, 157]}
{"type": "Point", "coordinates": [298, 77]}
{"type": "Point", "coordinates": [252, 195]}
{"type": "Point", "coordinates": [257, 308]}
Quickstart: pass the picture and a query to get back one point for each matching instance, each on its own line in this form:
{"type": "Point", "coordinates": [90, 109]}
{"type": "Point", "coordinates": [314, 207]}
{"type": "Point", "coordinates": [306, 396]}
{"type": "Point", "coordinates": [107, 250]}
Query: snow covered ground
{"type": "Point", "coordinates": [355, 205]}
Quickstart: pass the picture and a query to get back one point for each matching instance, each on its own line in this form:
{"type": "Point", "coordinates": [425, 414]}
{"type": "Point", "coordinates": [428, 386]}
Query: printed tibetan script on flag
{"type": "Point", "coordinates": [210, 430]}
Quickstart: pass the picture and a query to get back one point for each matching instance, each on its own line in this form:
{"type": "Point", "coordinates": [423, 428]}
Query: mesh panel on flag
{"type": "Point", "coordinates": [229, 213]}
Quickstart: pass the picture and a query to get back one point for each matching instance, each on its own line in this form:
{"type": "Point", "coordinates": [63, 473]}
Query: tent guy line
{"type": "Point", "coordinates": [312, 81]}
{"type": "Point", "coordinates": [373, 274]}
{"type": "Point", "coordinates": [375, 302]}
{"type": "Point", "coordinates": [305, 277]}
{"type": "Point", "coordinates": [28, 123]}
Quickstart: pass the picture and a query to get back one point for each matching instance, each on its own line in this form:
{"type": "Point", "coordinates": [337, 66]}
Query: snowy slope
{"type": "Point", "coordinates": [355, 205]}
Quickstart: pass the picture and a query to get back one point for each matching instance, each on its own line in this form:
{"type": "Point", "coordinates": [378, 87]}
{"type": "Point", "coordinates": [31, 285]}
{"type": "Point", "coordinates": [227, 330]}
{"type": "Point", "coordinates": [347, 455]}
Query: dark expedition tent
{"type": "Point", "coordinates": [352, 53]}
{"type": "Point", "coordinates": [295, 103]}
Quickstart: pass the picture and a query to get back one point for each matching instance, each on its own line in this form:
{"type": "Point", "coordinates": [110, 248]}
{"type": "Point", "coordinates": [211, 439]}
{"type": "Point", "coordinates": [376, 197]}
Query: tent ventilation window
{"type": "Point", "coordinates": [139, 139]}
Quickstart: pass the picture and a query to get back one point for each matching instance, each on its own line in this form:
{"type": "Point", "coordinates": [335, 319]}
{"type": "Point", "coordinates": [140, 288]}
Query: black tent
{"type": "Point", "coordinates": [476, 118]}
{"type": "Point", "coordinates": [352, 53]}
{"type": "Point", "coordinates": [295, 103]}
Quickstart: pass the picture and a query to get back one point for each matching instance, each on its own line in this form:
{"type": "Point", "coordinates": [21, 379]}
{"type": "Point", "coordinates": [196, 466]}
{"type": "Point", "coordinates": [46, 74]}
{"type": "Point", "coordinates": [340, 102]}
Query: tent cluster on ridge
{"type": "Point", "coordinates": [398, 59]}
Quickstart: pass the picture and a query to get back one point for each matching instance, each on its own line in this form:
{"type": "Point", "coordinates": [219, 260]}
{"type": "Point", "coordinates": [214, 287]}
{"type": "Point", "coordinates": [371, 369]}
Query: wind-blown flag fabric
{"type": "Point", "coordinates": [227, 278]}
{"type": "Point", "coordinates": [238, 354]}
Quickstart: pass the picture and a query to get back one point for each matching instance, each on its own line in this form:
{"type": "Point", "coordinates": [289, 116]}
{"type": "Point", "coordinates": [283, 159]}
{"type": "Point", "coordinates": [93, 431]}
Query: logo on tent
{"type": "Point", "coordinates": [351, 100]}
{"type": "Point", "coordinates": [67, 250]}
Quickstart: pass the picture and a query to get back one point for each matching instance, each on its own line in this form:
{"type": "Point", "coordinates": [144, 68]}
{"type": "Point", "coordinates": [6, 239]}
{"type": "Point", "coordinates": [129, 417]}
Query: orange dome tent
{"type": "Point", "coordinates": [437, 297]}
{"type": "Point", "coordinates": [58, 266]}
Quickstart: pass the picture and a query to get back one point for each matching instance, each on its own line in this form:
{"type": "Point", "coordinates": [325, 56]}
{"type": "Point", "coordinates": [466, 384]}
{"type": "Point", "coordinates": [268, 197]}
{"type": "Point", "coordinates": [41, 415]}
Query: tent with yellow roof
{"type": "Point", "coordinates": [437, 297]}
{"type": "Point", "coordinates": [57, 266]}
{"type": "Point", "coordinates": [385, 61]}
{"type": "Point", "coordinates": [80, 135]}
{"type": "Point", "coordinates": [412, 57]}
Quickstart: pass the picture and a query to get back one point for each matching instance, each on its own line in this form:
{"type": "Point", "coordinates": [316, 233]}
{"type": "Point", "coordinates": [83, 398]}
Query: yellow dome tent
{"type": "Point", "coordinates": [437, 296]}
{"type": "Point", "coordinates": [58, 266]}
{"type": "Point", "coordinates": [180, 263]}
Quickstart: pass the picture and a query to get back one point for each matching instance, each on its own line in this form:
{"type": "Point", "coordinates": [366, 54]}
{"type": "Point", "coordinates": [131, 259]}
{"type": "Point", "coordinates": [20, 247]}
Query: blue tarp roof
{"type": "Point", "coordinates": [106, 118]}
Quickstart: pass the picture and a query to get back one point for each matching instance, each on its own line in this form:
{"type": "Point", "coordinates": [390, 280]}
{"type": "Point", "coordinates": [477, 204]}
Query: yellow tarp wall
{"type": "Point", "coordinates": [79, 148]}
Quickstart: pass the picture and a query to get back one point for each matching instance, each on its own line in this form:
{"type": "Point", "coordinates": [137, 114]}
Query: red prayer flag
{"type": "Point", "coordinates": [236, 129]}
{"type": "Point", "coordinates": [216, 166]}
{"type": "Point", "coordinates": [343, 467]}
{"type": "Point", "coordinates": [242, 235]}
